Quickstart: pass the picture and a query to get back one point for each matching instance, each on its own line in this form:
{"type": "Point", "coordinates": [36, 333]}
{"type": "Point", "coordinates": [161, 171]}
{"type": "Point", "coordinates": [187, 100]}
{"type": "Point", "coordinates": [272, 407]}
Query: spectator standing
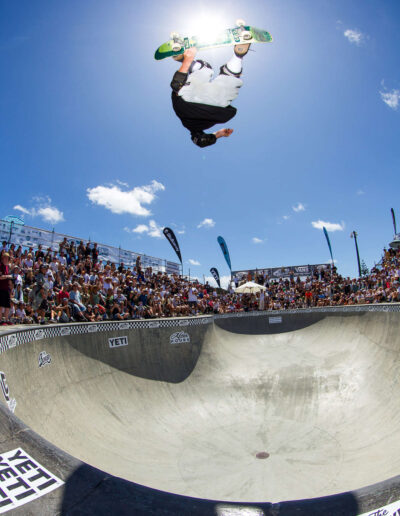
{"type": "Point", "coordinates": [5, 286]}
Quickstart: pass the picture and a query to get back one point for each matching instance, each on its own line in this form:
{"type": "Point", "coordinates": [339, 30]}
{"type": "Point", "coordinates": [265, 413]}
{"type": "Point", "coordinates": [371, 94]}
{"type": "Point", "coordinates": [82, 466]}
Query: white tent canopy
{"type": "Point", "coordinates": [250, 288]}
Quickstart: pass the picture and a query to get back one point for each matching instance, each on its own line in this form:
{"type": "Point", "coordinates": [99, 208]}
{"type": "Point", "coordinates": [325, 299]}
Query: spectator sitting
{"type": "Point", "coordinates": [78, 307]}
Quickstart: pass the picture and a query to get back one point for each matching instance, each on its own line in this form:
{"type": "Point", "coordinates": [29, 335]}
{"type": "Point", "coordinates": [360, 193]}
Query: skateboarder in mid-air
{"type": "Point", "coordinates": [201, 102]}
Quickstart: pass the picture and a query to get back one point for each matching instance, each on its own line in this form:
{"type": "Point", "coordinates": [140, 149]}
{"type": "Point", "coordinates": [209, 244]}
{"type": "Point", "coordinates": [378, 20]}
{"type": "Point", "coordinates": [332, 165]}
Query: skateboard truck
{"type": "Point", "coordinates": [245, 34]}
{"type": "Point", "coordinates": [177, 42]}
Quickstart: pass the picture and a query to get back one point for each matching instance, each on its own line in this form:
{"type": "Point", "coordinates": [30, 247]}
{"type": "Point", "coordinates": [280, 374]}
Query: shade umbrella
{"type": "Point", "coordinates": [250, 288]}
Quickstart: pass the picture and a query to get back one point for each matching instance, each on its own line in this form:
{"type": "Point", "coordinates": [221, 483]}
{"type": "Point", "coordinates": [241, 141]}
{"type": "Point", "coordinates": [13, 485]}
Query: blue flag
{"type": "Point", "coordinates": [225, 251]}
{"type": "Point", "coordinates": [329, 242]}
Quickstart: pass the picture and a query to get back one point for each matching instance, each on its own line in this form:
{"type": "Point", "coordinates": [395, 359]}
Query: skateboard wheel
{"type": "Point", "coordinates": [246, 35]}
{"type": "Point", "coordinates": [240, 22]}
{"type": "Point", "coordinates": [176, 47]}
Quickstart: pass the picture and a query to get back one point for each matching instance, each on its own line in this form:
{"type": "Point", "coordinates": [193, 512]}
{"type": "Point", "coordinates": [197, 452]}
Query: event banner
{"type": "Point", "coordinates": [225, 252]}
{"type": "Point", "coordinates": [170, 236]}
{"type": "Point", "coordinates": [328, 242]}
{"type": "Point", "coordinates": [27, 236]}
{"type": "Point", "coordinates": [215, 274]}
{"type": "Point", "coordinates": [277, 273]}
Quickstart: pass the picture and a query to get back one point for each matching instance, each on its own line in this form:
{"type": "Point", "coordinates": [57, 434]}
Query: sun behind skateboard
{"type": "Point", "coordinates": [240, 34]}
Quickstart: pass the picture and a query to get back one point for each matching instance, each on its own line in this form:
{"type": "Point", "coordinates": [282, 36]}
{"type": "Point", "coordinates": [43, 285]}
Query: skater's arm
{"type": "Point", "coordinates": [180, 77]}
{"type": "Point", "coordinates": [204, 139]}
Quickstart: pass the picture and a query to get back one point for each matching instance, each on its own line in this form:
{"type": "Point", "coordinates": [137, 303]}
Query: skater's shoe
{"type": "Point", "coordinates": [241, 49]}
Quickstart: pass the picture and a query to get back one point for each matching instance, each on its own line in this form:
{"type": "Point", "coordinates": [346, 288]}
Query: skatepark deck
{"type": "Point", "coordinates": [210, 415]}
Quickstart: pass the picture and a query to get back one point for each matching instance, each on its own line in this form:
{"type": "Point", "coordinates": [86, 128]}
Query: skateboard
{"type": "Point", "coordinates": [240, 34]}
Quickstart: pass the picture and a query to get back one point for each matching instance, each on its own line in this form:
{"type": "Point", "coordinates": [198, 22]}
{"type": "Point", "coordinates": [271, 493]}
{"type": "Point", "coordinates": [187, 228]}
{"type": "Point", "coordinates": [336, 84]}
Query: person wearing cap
{"type": "Point", "coordinates": [5, 288]}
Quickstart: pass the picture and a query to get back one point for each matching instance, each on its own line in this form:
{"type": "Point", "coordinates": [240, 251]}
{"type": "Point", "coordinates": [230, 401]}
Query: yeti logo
{"type": "Point", "coordinates": [44, 359]}
{"type": "Point", "coordinates": [180, 337]}
{"type": "Point", "coordinates": [117, 342]}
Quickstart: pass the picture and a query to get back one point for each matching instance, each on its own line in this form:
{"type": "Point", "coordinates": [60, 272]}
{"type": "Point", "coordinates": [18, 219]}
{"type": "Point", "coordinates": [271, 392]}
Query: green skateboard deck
{"type": "Point", "coordinates": [240, 34]}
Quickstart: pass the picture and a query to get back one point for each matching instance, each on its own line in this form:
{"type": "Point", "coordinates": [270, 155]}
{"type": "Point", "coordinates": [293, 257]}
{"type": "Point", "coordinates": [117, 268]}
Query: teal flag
{"type": "Point", "coordinates": [329, 242]}
{"type": "Point", "coordinates": [225, 251]}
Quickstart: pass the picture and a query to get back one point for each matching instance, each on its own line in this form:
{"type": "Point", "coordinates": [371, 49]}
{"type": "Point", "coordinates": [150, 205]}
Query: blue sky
{"type": "Point", "coordinates": [89, 143]}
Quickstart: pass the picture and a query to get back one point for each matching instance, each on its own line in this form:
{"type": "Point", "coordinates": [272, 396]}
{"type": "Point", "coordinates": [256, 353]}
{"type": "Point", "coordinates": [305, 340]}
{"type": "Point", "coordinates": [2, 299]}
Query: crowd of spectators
{"type": "Point", "coordinates": [71, 284]}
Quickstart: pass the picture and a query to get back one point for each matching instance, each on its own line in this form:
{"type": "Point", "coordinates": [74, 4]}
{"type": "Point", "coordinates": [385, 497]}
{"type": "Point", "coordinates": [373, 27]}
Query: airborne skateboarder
{"type": "Point", "coordinates": [200, 102]}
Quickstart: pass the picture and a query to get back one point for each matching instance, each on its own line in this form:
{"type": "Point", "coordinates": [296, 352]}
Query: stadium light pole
{"type": "Point", "coordinates": [354, 235]}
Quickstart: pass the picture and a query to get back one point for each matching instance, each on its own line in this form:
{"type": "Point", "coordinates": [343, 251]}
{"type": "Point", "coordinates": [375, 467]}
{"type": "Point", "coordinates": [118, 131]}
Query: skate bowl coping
{"type": "Point", "coordinates": [264, 413]}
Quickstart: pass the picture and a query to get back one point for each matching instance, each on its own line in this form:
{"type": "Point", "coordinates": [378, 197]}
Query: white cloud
{"type": "Point", "coordinates": [354, 36]}
{"type": "Point", "coordinates": [206, 223]}
{"type": "Point", "coordinates": [22, 209]}
{"type": "Point", "coordinates": [225, 280]}
{"type": "Point", "coordinates": [130, 201]}
{"type": "Point", "coordinates": [151, 229]}
{"type": "Point", "coordinates": [256, 240]}
{"type": "Point", "coordinates": [193, 262]}
{"type": "Point", "coordinates": [286, 217]}
{"type": "Point", "coordinates": [51, 214]}
{"type": "Point", "coordinates": [43, 209]}
{"type": "Point", "coordinates": [122, 183]}
{"type": "Point", "coordinates": [330, 226]}
{"type": "Point", "coordinates": [299, 207]}
{"type": "Point", "coordinates": [391, 98]}
{"type": "Point", "coordinates": [360, 192]}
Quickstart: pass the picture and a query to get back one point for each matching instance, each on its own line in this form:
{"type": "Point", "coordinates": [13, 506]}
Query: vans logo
{"type": "Point", "coordinates": [154, 324]}
{"type": "Point", "coordinates": [11, 403]}
{"type": "Point", "coordinates": [183, 323]}
{"type": "Point", "coordinates": [180, 337]}
{"type": "Point", "coordinates": [123, 326]}
{"type": "Point", "coordinates": [65, 331]}
{"type": "Point", "coordinates": [92, 329]}
{"type": "Point", "coordinates": [39, 334]}
{"type": "Point", "coordinates": [44, 359]}
{"type": "Point", "coordinates": [12, 341]}
{"type": "Point", "coordinates": [117, 342]}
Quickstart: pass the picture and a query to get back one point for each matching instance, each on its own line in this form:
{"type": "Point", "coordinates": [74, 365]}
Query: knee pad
{"type": "Point", "coordinates": [224, 70]}
{"type": "Point", "coordinates": [198, 64]}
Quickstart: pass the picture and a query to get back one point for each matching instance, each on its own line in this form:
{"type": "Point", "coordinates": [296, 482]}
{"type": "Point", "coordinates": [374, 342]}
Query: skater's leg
{"type": "Point", "coordinates": [234, 65]}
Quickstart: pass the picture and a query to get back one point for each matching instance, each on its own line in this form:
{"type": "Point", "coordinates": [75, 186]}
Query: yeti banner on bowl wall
{"type": "Point", "coordinates": [23, 479]}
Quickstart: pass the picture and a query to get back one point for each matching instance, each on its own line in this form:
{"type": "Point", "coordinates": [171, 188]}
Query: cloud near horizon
{"type": "Point", "coordinates": [118, 201]}
{"type": "Point", "coordinates": [152, 229]}
{"type": "Point", "coordinates": [330, 226]}
{"type": "Point", "coordinates": [256, 240]}
{"type": "Point", "coordinates": [43, 209]}
{"type": "Point", "coordinates": [206, 223]}
{"type": "Point", "coordinates": [193, 262]}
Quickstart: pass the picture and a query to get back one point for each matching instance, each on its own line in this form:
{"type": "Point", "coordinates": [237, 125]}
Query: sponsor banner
{"type": "Point", "coordinates": [328, 242]}
{"type": "Point", "coordinates": [170, 236]}
{"type": "Point", "coordinates": [123, 326]}
{"type": "Point", "coordinates": [154, 324]}
{"type": "Point", "coordinates": [389, 510]}
{"type": "Point", "coordinates": [225, 252]}
{"type": "Point", "coordinates": [275, 320]}
{"type": "Point", "coordinates": [11, 403]}
{"type": "Point", "coordinates": [282, 272]}
{"type": "Point", "coordinates": [180, 337]}
{"type": "Point", "coordinates": [215, 274]}
{"type": "Point", "coordinates": [39, 334]}
{"type": "Point", "coordinates": [27, 236]}
{"type": "Point", "coordinates": [117, 342]}
{"type": "Point", "coordinates": [12, 341]}
{"type": "Point", "coordinates": [23, 479]}
{"type": "Point", "coordinates": [44, 359]}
